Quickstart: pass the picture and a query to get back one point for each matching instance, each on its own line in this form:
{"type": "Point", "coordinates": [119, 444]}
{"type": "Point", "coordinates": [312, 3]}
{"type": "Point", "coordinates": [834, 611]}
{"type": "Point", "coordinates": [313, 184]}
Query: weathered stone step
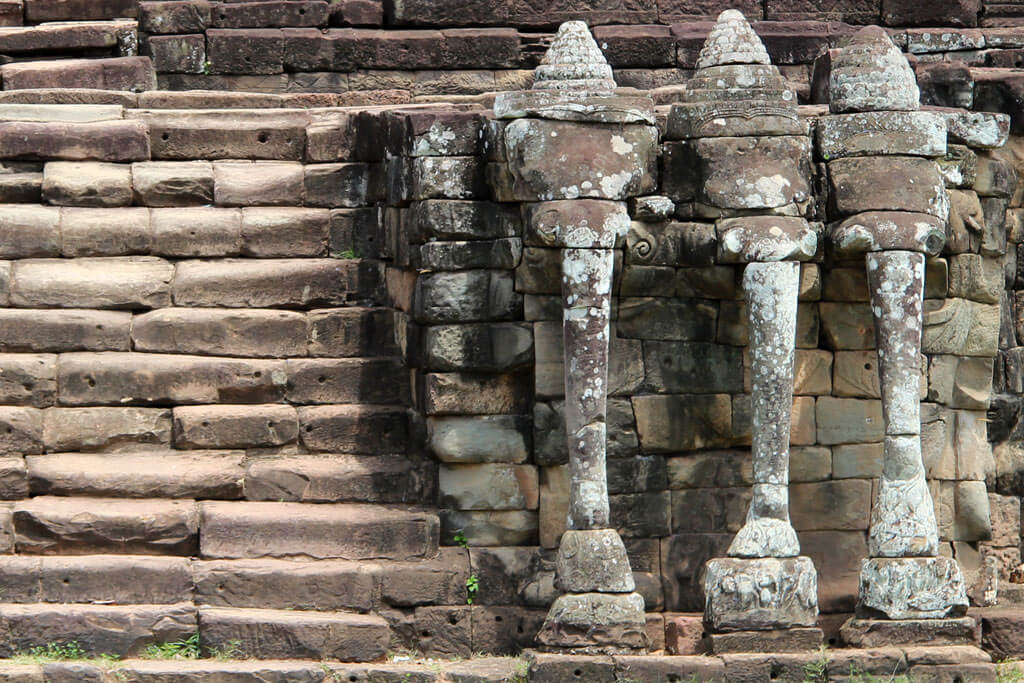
{"type": "Point", "coordinates": [98, 629]}
{"type": "Point", "coordinates": [321, 531]}
{"type": "Point", "coordinates": [290, 634]}
{"type": "Point", "coordinates": [116, 73]}
{"type": "Point", "coordinates": [99, 140]}
{"type": "Point", "coordinates": [70, 36]}
{"type": "Point", "coordinates": [79, 10]}
{"type": "Point", "coordinates": [49, 525]}
{"type": "Point", "coordinates": [162, 474]}
{"type": "Point", "coordinates": [101, 579]}
{"type": "Point", "coordinates": [333, 479]}
{"type": "Point", "coordinates": [477, 670]}
{"type": "Point", "coordinates": [362, 586]}
{"type": "Point", "coordinates": [69, 113]}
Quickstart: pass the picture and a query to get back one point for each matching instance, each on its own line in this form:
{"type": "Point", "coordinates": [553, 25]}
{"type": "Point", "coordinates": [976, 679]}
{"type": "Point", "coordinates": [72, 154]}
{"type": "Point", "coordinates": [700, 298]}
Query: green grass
{"type": "Point", "coordinates": [61, 652]}
{"type": "Point", "coordinates": [178, 649]}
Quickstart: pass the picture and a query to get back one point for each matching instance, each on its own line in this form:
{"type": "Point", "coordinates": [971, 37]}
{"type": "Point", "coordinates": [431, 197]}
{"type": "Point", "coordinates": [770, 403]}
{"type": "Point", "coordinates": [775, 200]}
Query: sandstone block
{"type": "Point", "coordinates": [847, 420]}
{"type": "Point", "coordinates": [792, 600]}
{"type": "Point", "coordinates": [466, 296]}
{"type": "Point", "coordinates": [119, 378]}
{"type": "Point", "coordinates": [284, 634]}
{"type": "Point", "coordinates": [268, 283]}
{"type": "Point", "coordinates": [219, 332]}
{"type": "Point", "coordinates": [118, 629]}
{"type": "Point", "coordinates": [344, 332]}
{"type": "Point", "coordinates": [284, 232]}
{"type": "Point", "coordinates": [105, 232]}
{"type": "Point", "coordinates": [504, 254]}
{"type": "Point", "coordinates": [912, 588]}
{"type": "Point", "coordinates": [111, 141]}
{"type": "Point", "coordinates": [732, 184]}
{"type": "Point", "coordinates": [257, 183]}
{"type": "Point", "coordinates": [333, 479]}
{"type": "Point", "coordinates": [28, 379]}
{"type": "Point", "coordinates": [245, 51]}
{"type": "Point", "coordinates": [960, 327]}
{"type": "Point", "coordinates": [444, 219]}
{"type": "Point", "coordinates": [343, 185]}
{"type": "Point", "coordinates": [137, 282]}
{"type": "Point", "coordinates": [63, 330]}
{"type": "Point", "coordinates": [196, 232]}
{"type": "Point", "coordinates": [225, 426]}
{"type": "Point", "coordinates": [105, 429]}
{"type": "Point", "coordinates": [354, 429]}
{"type": "Point", "coordinates": [346, 380]}
{"type": "Point", "coordinates": [281, 584]}
{"type": "Point", "coordinates": [487, 438]}
{"type": "Point", "coordinates": [352, 532]}
{"type": "Point", "coordinates": [488, 487]}
{"type": "Point", "coordinates": [70, 183]}
{"type": "Point", "coordinates": [831, 505]}
{"type": "Point", "coordinates": [271, 14]}
{"type": "Point", "coordinates": [113, 578]}
{"type": "Point", "coordinates": [164, 16]}
{"type": "Point", "coordinates": [145, 475]}
{"type": "Point", "coordinates": [478, 347]}
{"type": "Point", "coordinates": [183, 135]}
{"type": "Point", "coordinates": [29, 231]}
{"type": "Point", "coordinates": [486, 527]}
{"type": "Point", "coordinates": [874, 133]}
{"type": "Point", "coordinates": [858, 184]}
{"type": "Point", "coordinates": [476, 394]}
{"type": "Point", "coordinates": [676, 367]}
{"type": "Point", "coordinates": [170, 183]}
{"type": "Point", "coordinates": [68, 526]}
{"type": "Point", "coordinates": [446, 178]}
{"type": "Point", "coordinates": [881, 230]}
{"type": "Point", "coordinates": [177, 54]}
{"type": "Point", "coordinates": [627, 168]}
{"type": "Point", "coordinates": [666, 319]}
{"type": "Point", "coordinates": [765, 238]}
{"type": "Point", "coordinates": [681, 423]}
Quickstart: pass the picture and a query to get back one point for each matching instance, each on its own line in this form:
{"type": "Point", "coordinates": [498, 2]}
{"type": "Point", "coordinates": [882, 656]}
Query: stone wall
{"type": "Point", "coordinates": [247, 289]}
{"type": "Point", "coordinates": [490, 351]}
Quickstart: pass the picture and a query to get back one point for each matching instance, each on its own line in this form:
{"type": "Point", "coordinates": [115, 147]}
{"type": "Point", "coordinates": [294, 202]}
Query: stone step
{"type": "Point", "coordinates": [50, 525]}
{"type": "Point", "coordinates": [292, 634]}
{"type": "Point", "coordinates": [361, 586]}
{"type": "Point", "coordinates": [67, 36]}
{"type": "Point", "coordinates": [334, 479]}
{"type": "Point", "coordinates": [161, 474]}
{"type": "Point", "coordinates": [116, 73]}
{"type": "Point", "coordinates": [1002, 631]}
{"type": "Point", "coordinates": [59, 10]}
{"type": "Point", "coordinates": [477, 670]}
{"type": "Point", "coordinates": [320, 531]}
{"type": "Point", "coordinates": [98, 629]}
{"type": "Point", "coordinates": [100, 579]}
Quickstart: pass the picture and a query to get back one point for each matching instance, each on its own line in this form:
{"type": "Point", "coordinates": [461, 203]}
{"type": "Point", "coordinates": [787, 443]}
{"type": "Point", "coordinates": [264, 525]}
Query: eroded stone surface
{"type": "Point", "coordinates": [889, 230]}
{"type": "Point", "coordinates": [594, 560]}
{"type": "Point", "coordinates": [595, 623]}
{"type": "Point", "coordinates": [760, 594]}
{"type": "Point", "coordinates": [871, 74]}
{"type": "Point", "coordinates": [911, 588]}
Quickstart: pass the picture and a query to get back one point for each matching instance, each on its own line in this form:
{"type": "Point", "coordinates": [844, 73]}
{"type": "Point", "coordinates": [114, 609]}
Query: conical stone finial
{"type": "Point", "coordinates": [574, 62]}
{"type": "Point", "coordinates": [732, 41]}
{"type": "Point", "coordinates": [871, 74]}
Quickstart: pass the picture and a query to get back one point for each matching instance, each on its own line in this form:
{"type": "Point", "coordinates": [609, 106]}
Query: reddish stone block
{"type": "Point", "coordinates": [356, 13]}
{"type": "Point", "coordinates": [245, 51]}
{"type": "Point", "coordinates": [683, 10]}
{"type": "Point", "coordinates": [480, 48]}
{"type": "Point", "coordinates": [11, 13]}
{"type": "Point", "coordinates": [936, 13]}
{"type": "Point", "coordinates": [295, 13]}
{"type": "Point", "coordinates": [637, 46]}
{"type": "Point", "coordinates": [850, 11]}
{"type": "Point", "coordinates": [102, 141]}
{"type": "Point", "coordinates": [684, 634]}
{"type": "Point", "coordinates": [37, 11]}
{"type": "Point", "coordinates": [545, 13]}
{"type": "Point", "coordinates": [178, 54]}
{"type": "Point", "coordinates": [174, 16]}
{"type": "Point", "coordinates": [450, 12]}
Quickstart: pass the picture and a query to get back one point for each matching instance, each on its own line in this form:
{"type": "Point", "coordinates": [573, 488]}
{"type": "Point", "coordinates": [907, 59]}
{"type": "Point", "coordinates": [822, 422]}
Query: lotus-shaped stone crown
{"type": "Point", "coordinates": [732, 41]}
{"type": "Point", "coordinates": [871, 74]}
{"type": "Point", "coordinates": [574, 62]}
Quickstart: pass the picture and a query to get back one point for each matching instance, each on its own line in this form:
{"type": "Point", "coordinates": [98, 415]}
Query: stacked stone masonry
{"type": "Point", "coordinates": [265, 371]}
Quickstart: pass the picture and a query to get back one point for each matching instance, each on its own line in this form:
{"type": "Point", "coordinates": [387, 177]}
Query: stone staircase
{"type": "Point", "coordinates": [75, 45]}
{"type": "Point", "coordinates": [204, 411]}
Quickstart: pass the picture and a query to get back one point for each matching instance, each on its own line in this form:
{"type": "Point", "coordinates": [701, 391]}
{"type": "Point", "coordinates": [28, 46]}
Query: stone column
{"type": "Point", "coordinates": [754, 157]}
{"type": "Point", "coordinates": [575, 152]}
{"type": "Point", "coordinates": [888, 200]}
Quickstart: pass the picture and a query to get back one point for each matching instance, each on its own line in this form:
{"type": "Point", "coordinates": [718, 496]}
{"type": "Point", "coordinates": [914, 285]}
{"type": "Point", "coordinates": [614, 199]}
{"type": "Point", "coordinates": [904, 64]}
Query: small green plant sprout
{"type": "Point", "coordinates": [229, 650]}
{"type": "Point", "coordinates": [472, 588]}
{"type": "Point", "coordinates": [816, 670]}
{"type": "Point", "coordinates": [58, 651]}
{"type": "Point", "coordinates": [349, 253]}
{"type": "Point", "coordinates": [460, 539]}
{"type": "Point", "coordinates": [187, 648]}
